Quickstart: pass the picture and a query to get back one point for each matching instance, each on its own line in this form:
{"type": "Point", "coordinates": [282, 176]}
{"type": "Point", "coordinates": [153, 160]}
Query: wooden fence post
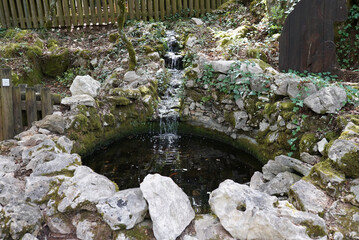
{"type": "Point", "coordinates": [31, 110]}
{"type": "Point", "coordinates": [7, 112]}
{"type": "Point", "coordinates": [16, 96]}
{"type": "Point", "coordinates": [46, 102]}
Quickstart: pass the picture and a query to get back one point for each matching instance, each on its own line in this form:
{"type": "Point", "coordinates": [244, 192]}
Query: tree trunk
{"type": "Point", "coordinates": [121, 22]}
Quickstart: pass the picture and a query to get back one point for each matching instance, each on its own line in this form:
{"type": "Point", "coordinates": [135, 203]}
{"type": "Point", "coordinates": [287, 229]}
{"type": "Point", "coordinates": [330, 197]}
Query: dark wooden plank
{"type": "Point", "coordinates": [27, 13]}
{"type": "Point", "coordinates": [46, 10]}
{"type": "Point", "coordinates": [15, 18]}
{"type": "Point", "coordinates": [40, 13]}
{"type": "Point", "coordinates": [16, 96]}
{"type": "Point", "coordinates": [46, 102]}
{"type": "Point", "coordinates": [93, 12]}
{"type": "Point", "coordinates": [7, 112]}
{"type": "Point", "coordinates": [87, 12]}
{"type": "Point", "coordinates": [60, 13]}
{"type": "Point", "coordinates": [168, 8]}
{"type": "Point", "coordinates": [73, 13]}
{"type": "Point", "coordinates": [138, 9]}
{"type": "Point", "coordinates": [2, 20]}
{"type": "Point", "coordinates": [31, 110]}
{"type": "Point", "coordinates": [208, 6]}
{"type": "Point", "coordinates": [191, 7]}
{"type": "Point", "coordinates": [156, 9]}
{"type": "Point", "coordinates": [314, 50]}
{"type": "Point", "coordinates": [131, 9]}
{"type": "Point", "coordinates": [213, 4]}
{"type": "Point", "coordinates": [197, 8]}
{"type": "Point", "coordinates": [185, 8]}
{"type": "Point", "coordinates": [99, 12]}
{"type": "Point", "coordinates": [144, 10]}
{"type": "Point", "coordinates": [80, 12]}
{"type": "Point", "coordinates": [174, 7]}
{"type": "Point", "coordinates": [7, 14]}
{"type": "Point", "coordinates": [112, 11]}
{"type": "Point", "coordinates": [1, 121]}
{"type": "Point", "coordinates": [150, 9]}
{"type": "Point", "coordinates": [66, 12]}
{"type": "Point", "coordinates": [105, 11]}
{"type": "Point", "coordinates": [162, 9]}
{"type": "Point", "coordinates": [179, 6]}
{"type": "Point", "coordinates": [34, 17]}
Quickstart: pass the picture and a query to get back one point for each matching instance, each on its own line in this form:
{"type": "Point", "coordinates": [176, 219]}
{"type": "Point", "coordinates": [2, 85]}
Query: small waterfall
{"type": "Point", "coordinates": [170, 101]}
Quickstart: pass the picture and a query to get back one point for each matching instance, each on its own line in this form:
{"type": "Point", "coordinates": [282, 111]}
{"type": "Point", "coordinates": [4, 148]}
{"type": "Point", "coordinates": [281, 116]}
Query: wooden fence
{"type": "Point", "coordinates": [37, 13]}
{"type": "Point", "coordinates": [20, 106]}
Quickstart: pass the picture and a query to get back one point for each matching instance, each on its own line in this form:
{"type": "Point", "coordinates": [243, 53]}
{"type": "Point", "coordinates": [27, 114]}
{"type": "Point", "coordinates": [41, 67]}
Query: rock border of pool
{"type": "Point", "coordinates": [44, 186]}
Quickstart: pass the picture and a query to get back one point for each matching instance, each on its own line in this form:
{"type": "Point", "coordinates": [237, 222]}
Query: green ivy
{"type": "Point", "coordinates": [348, 44]}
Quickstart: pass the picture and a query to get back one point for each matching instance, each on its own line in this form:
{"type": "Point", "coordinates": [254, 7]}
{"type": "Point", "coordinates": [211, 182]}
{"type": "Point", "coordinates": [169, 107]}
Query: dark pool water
{"type": "Point", "coordinates": [196, 164]}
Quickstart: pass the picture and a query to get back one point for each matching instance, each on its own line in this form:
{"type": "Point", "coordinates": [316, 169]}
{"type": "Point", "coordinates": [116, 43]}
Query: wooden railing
{"type": "Point", "coordinates": [67, 13]}
{"type": "Point", "coordinates": [20, 106]}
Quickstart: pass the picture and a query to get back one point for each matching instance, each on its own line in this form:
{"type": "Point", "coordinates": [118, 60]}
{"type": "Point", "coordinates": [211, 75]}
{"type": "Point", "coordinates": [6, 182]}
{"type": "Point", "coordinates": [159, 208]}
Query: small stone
{"type": "Point", "coordinates": [85, 85]}
{"type": "Point", "coordinates": [256, 180]}
{"type": "Point", "coordinates": [53, 123]}
{"type": "Point", "coordinates": [66, 143]}
{"type": "Point", "coordinates": [307, 158]}
{"type": "Point", "coordinates": [29, 236]}
{"type": "Point", "coordinates": [321, 145]}
{"type": "Point", "coordinates": [338, 236]}
{"type": "Point", "coordinates": [73, 101]}
{"type": "Point", "coordinates": [131, 76]}
{"type": "Point", "coordinates": [197, 21]}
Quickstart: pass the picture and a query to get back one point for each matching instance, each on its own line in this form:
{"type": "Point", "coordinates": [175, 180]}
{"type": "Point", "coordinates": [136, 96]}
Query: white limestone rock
{"type": "Point", "coordinates": [339, 148]}
{"type": "Point", "coordinates": [131, 76]}
{"type": "Point", "coordinates": [208, 227]}
{"type": "Point", "coordinates": [83, 99]}
{"type": "Point", "coordinates": [85, 85]}
{"type": "Point", "coordinates": [321, 145]}
{"type": "Point", "coordinates": [308, 197]}
{"type": "Point", "coordinates": [60, 163]}
{"type": "Point", "coordinates": [241, 118]}
{"type": "Point", "coordinates": [326, 100]}
{"type": "Point", "coordinates": [169, 207]}
{"type": "Point", "coordinates": [29, 236]}
{"type": "Point", "coordinates": [250, 214]}
{"type": "Point", "coordinates": [60, 223]}
{"type": "Point", "coordinates": [11, 190]}
{"type": "Point", "coordinates": [256, 180]}
{"type": "Point", "coordinates": [7, 165]}
{"type": "Point", "coordinates": [197, 21]}
{"type": "Point", "coordinates": [37, 188]}
{"type": "Point", "coordinates": [84, 188]}
{"type": "Point", "coordinates": [65, 143]}
{"type": "Point", "coordinates": [221, 66]}
{"type": "Point", "coordinates": [124, 208]}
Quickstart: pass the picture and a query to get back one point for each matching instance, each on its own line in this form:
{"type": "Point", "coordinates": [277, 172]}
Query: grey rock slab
{"type": "Point", "coordinates": [326, 100]}
{"type": "Point", "coordinates": [85, 85]}
{"type": "Point", "coordinates": [54, 123]}
{"type": "Point", "coordinates": [221, 66]}
{"type": "Point", "coordinates": [29, 236]}
{"type": "Point", "coordinates": [250, 214]}
{"type": "Point", "coordinates": [60, 163]}
{"type": "Point", "coordinates": [310, 159]}
{"type": "Point", "coordinates": [66, 143]}
{"type": "Point", "coordinates": [124, 208]}
{"type": "Point", "coordinates": [83, 99]}
{"type": "Point", "coordinates": [8, 165]}
{"type": "Point", "coordinates": [354, 188]}
{"type": "Point", "coordinates": [197, 21]}
{"type": "Point", "coordinates": [60, 224]}
{"type": "Point", "coordinates": [38, 188]}
{"type": "Point", "coordinates": [256, 180]}
{"type": "Point", "coordinates": [85, 187]}
{"type": "Point", "coordinates": [339, 148]}
{"type": "Point", "coordinates": [241, 118]}
{"type": "Point", "coordinates": [84, 230]}
{"type": "Point", "coordinates": [169, 206]}
{"type": "Point", "coordinates": [321, 145]}
{"type": "Point", "coordinates": [308, 197]}
{"type": "Point", "coordinates": [23, 217]}
{"type": "Point", "coordinates": [280, 184]}
{"type": "Point", "coordinates": [33, 140]}
{"type": "Point", "coordinates": [208, 227]}
{"type": "Point", "coordinates": [11, 190]}
{"type": "Point", "coordinates": [301, 90]}
{"type": "Point", "coordinates": [131, 76]}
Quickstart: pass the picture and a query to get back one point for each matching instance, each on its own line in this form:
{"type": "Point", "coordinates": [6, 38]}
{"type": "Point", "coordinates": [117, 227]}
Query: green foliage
{"type": "Point", "coordinates": [348, 43]}
{"type": "Point", "coordinates": [68, 77]}
{"type": "Point", "coordinates": [163, 78]}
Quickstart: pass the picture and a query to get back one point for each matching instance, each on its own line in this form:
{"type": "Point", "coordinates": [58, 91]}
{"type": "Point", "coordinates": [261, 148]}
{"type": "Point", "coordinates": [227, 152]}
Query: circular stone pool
{"type": "Point", "coordinates": [198, 165]}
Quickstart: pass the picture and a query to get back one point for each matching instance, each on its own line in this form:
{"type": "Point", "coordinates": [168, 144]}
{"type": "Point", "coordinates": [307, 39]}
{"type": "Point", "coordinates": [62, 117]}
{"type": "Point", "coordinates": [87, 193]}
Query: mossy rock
{"type": "Point", "coordinates": [56, 63]}
{"type": "Point", "coordinates": [148, 49]}
{"type": "Point", "coordinates": [257, 54]}
{"type": "Point", "coordinates": [31, 77]}
{"type": "Point", "coordinates": [307, 143]}
{"type": "Point", "coordinates": [349, 164]}
{"type": "Point", "coordinates": [33, 52]}
{"type": "Point", "coordinates": [10, 50]}
{"type": "Point", "coordinates": [194, 95]}
{"type": "Point", "coordinates": [119, 101]}
{"type": "Point", "coordinates": [52, 44]}
{"type": "Point", "coordinates": [229, 117]}
{"type": "Point", "coordinates": [313, 231]}
{"type": "Point", "coordinates": [113, 37]}
{"type": "Point", "coordinates": [21, 36]}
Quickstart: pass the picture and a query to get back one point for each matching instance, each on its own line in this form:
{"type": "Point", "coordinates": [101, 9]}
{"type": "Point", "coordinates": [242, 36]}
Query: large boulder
{"type": "Point", "coordinates": [221, 66]}
{"type": "Point", "coordinates": [250, 214]}
{"type": "Point", "coordinates": [85, 85]}
{"type": "Point", "coordinates": [327, 100]}
{"type": "Point", "coordinates": [169, 207]}
{"type": "Point", "coordinates": [84, 190]}
{"type": "Point", "coordinates": [124, 209]}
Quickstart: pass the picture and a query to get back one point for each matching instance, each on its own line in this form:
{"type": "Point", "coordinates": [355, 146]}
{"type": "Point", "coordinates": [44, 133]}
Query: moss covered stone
{"type": "Point", "coordinates": [313, 231]}
{"type": "Point", "coordinates": [257, 54]}
{"type": "Point", "coordinates": [56, 62]}
{"type": "Point", "coordinates": [119, 101]}
{"type": "Point", "coordinates": [114, 37]}
{"type": "Point", "coordinates": [194, 95]}
{"type": "Point", "coordinates": [349, 164]}
{"type": "Point", "coordinates": [307, 143]}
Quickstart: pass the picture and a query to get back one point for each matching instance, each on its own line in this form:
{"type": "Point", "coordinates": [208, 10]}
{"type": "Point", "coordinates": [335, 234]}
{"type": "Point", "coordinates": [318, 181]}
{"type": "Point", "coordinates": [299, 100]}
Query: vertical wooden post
{"type": "Point", "coordinates": [60, 13]}
{"type": "Point", "coordinates": [93, 12]}
{"type": "Point", "coordinates": [40, 13]}
{"type": "Point", "coordinates": [197, 8]}
{"type": "Point", "coordinates": [144, 10]}
{"type": "Point", "coordinates": [15, 19]}
{"type": "Point", "coordinates": [208, 6]}
{"type": "Point", "coordinates": [150, 9]}
{"type": "Point", "coordinates": [2, 17]}
{"type": "Point", "coordinates": [99, 12]}
{"type": "Point", "coordinates": [185, 7]}
{"type": "Point", "coordinates": [1, 116]}
{"type": "Point", "coordinates": [46, 102]}
{"type": "Point", "coordinates": [7, 112]}
{"type": "Point", "coordinates": [156, 9]}
{"type": "Point", "coordinates": [105, 10]}
{"type": "Point", "coordinates": [73, 13]}
{"type": "Point", "coordinates": [80, 11]}
{"type": "Point", "coordinates": [33, 14]}
{"type": "Point", "coordinates": [174, 7]}
{"type": "Point", "coordinates": [138, 11]}
{"type": "Point", "coordinates": [65, 4]}
{"type": "Point", "coordinates": [112, 11]}
{"type": "Point", "coordinates": [162, 9]}
{"type": "Point", "coordinates": [131, 8]}
{"type": "Point", "coordinates": [16, 96]}
{"type": "Point", "coordinates": [87, 12]}
{"type": "Point", "coordinates": [31, 111]}
{"type": "Point", "coordinates": [168, 7]}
